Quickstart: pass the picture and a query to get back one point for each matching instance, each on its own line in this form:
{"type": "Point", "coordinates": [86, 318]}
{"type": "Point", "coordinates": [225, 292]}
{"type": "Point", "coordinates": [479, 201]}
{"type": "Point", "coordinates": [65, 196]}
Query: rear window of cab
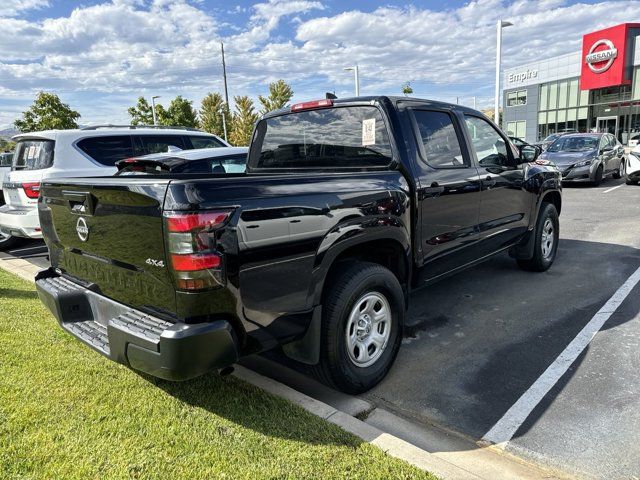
{"type": "Point", "coordinates": [331, 138]}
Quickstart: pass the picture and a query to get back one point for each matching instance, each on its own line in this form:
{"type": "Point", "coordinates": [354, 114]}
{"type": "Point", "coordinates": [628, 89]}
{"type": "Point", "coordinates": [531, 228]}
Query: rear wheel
{"type": "Point", "coordinates": [7, 241]}
{"type": "Point", "coordinates": [363, 314]}
{"type": "Point", "coordinates": [597, 180]}
{"type": "Point", "coordinates": [546, 240]}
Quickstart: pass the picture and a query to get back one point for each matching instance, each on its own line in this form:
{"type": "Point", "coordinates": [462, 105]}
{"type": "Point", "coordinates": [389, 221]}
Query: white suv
{"type": "Point", "coordinates": [90, 151]}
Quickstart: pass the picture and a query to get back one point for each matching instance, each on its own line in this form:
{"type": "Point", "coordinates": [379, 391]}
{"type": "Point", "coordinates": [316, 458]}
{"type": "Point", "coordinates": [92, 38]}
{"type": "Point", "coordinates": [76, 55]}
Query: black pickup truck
{"type": "Point", "coordinates": [346, 207]}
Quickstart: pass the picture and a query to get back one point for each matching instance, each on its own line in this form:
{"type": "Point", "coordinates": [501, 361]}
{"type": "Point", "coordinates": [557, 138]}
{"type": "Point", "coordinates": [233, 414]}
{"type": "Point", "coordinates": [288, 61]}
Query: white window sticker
{"type": "Point", "coordinates": [369, 132]}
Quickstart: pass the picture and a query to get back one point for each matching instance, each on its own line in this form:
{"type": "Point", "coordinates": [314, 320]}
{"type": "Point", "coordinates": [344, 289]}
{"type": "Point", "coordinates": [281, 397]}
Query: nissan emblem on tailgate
{"type": "Point", "coordinates": [82, 229]}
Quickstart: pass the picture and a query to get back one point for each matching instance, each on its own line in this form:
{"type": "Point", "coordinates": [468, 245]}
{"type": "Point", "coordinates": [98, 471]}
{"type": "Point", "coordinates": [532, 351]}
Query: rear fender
{"type": "Point", "coordinates": [358, 235]}
{"type": "Point", "coordinates": [361, 235]}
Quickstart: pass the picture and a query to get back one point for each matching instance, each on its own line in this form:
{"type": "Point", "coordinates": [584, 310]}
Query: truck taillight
{"type": "Point", "coordinates": [31, 189]}
{"type": "Point", "coordinates": [192, 243]}
{"type": "Point", "coordinates": [312, 105]}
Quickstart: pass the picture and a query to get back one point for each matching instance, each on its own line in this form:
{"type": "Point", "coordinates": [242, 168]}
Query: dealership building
{"type": "Point", "coordinates": [595, 90]}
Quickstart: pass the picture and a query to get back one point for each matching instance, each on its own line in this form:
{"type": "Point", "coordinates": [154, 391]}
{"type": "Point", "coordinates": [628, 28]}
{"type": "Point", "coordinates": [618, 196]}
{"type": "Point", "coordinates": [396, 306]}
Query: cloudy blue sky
{"type": "Point", "coordinates": [99, 56]}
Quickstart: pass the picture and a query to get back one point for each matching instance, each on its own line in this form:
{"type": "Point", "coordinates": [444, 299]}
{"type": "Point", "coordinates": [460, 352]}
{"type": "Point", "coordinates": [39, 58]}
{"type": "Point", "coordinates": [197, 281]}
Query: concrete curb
{"type": "Point", "coordinates": [457, 464]}
{"type": "Point", "coordinates": [388, 443]}
{"type": "Point", "coordinates": [22, 268]}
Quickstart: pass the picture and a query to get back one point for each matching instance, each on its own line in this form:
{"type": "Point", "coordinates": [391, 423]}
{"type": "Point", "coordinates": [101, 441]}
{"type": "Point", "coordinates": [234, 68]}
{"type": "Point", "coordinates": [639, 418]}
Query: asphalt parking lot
{"type": "Point", "coordinates": [475, 343]}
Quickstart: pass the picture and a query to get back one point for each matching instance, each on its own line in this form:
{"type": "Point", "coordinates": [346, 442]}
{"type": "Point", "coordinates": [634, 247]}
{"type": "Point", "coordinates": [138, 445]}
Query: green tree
{"type": "Point", "coordinates": [7, 145]}
{"type": "Point", "coordinates": [243, 121]}
{"type": "Point", "coordinates": [279, 95]}
{"type": "Point", "coordinates": [47, 113]}
{"type": "Point", "coordinates": [181, 114]}
{"type": "Point", "coordinates": [407, 89]}
{"type": "Point", "coordinates": [211, 114]}
{"type": "Point", "coordinates": [142, 113]}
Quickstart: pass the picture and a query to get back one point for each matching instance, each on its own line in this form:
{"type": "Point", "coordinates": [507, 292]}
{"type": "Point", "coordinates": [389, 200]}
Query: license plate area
{"type": "Point", "coordinates": [11, 196]}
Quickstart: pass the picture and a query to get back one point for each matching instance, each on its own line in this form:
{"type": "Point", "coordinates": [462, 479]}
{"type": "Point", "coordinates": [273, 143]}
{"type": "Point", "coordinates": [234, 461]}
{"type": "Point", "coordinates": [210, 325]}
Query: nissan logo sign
{"type": "Point", "coordinates": [605, 57]}
{"type": "Point", "coordinates": [82, 229]}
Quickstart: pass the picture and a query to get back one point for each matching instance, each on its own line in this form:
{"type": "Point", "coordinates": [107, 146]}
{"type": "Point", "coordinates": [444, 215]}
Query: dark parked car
{"type": "Point", "coordinates": [587, 157]}
{"type": "Point", "coordinates": [198, 161]}
{"type": "Point", "coordinates": [346, 207]}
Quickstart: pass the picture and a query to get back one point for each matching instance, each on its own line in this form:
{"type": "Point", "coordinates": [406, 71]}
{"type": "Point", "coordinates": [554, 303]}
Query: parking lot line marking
{"type": "Point", "coordinates": [612, 189]}
{"type": "Point", "coordinates": [508, 425]}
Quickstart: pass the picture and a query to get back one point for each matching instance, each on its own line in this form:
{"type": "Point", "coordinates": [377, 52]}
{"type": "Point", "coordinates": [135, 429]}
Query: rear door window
{"type": "Point", "coordinates": [195, 141]}
{"type": "Point", "coordinates": [33, 155]}
{"type": "Point", "coordinates": [107, 150]}
{"type": "Point", "coordinates": [332, 138]}
{"type": "Point", "coordinates": [146, 144]}
{"type": "Point", "coordinates": [439, 139]}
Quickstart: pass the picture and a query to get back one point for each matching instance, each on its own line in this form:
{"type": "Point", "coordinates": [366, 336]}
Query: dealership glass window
{"type": "Point", "coordinates": [553, 96]}
{"type": "Point", "coordinates": [517, 98]}
{"type": "Point", "coordinates": [636, 84]}
{"type": "Point", "coordinates": [542, 118]}
{"type": "Point", "coordinates": [551, 117]}
{"type": "Point", "coordinates": [562, 94]}
{"type": "Point", "coordinates": [544, 94]}
{"type": "Point", "coordinates": [582, 125]}
{"type": "Point", "coordinates": [517, 129]}
{"type": "Point", "coordinates": [562, 115]}
{"type": "Point", "coordinates": [573, 93]}
{"type": "Point", "coordinates": [572, 114]}
{"type": "Point", "coordinates": [584, 97]}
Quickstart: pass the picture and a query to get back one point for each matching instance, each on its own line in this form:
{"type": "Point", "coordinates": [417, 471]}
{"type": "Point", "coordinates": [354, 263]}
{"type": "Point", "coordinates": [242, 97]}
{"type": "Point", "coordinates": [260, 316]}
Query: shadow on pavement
{"type": "Point", "coordinates": [475, 342]}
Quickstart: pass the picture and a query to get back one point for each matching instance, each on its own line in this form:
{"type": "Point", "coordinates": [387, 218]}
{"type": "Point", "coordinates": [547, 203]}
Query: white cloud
{"type": "Point", "coordinates": [126, 48]}
{"type": "Point", "coordinates": [10, 8]}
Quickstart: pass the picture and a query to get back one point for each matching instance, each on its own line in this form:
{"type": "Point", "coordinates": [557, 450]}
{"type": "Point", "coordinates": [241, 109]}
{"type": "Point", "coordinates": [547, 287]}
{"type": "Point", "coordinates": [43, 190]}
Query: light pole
{"type": "Point", "coordinates": [501, 24]}
{"type": "Point", "coordinates": [153, 109]}
{"type": "Point", "coordinates": [355, 73]}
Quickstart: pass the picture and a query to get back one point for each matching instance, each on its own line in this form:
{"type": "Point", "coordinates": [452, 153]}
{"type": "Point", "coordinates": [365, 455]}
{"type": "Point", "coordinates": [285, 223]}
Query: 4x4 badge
{"type": "Point", "coordinates": [82, 229]}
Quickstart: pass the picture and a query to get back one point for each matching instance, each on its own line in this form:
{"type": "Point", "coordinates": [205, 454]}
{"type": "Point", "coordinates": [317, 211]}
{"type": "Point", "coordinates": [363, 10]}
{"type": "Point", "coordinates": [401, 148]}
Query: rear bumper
{"type": "Point", "coordinates": [20, 222]}
{"type": "Point", "coordinates": [173, 351]}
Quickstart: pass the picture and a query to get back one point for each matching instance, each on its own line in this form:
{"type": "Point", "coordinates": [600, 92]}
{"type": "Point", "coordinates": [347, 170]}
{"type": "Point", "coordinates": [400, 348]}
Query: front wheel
{"type": "Point", "coordinates": [547, 234]}
{"type": "Point", "coordinates": [619, 173]}
{"type": "Point", "coordinates": [363, 314]}
{"type": "Point", "coordinates": [597, 179]}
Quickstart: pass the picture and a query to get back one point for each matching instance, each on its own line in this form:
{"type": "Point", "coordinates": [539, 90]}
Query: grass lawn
{"type": "Point", "coordinates": [68, 412]}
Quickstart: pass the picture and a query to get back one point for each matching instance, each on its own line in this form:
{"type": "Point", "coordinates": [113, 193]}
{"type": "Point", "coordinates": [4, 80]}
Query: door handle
{"type": "Point", "coordinates": [489, 182]}
{"type": "Point", "coordinates": [295, 221]}
{"type": "Point", "coordinates": [434, 189]}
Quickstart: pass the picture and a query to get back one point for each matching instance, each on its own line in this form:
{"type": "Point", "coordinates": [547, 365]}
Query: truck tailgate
{"type": "Point", "coordinates": [109, 232]}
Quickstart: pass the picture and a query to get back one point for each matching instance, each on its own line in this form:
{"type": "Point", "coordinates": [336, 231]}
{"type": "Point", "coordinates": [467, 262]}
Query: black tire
{"type": "Point", "coordinates": [541, 261]}
{"type": "Point", "coordinates": [347, 287]}
{"type": "Point", "coordinates": [619, 173]}
{"type": "Point", "coordinates": [597, 179]}
{"type": "Point", "coordinates": [7, 242]}
{"type": "Point", "coordinates": [628, 181]}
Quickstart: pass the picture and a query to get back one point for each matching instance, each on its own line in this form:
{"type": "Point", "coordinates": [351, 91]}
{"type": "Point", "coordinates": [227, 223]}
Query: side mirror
{"type": "Point", "coordinates": [529, 153]}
